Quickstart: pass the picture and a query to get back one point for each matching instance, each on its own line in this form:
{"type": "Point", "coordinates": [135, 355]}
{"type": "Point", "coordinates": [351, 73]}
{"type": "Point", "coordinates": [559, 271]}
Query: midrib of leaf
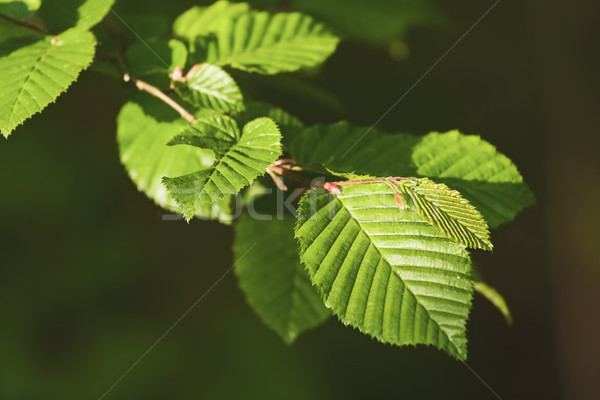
{"type": "Point", "coordinates": [26, 81]}
{"type": "Point", "coordinates": [405, 282]}
{"type": "Point", "coordinates": [222, 162]}
{"type": "Point", "coordinates": [351, 257]}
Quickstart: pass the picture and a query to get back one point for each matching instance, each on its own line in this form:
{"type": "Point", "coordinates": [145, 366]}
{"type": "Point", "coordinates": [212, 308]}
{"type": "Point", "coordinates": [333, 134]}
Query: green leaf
{"type": "Point", "coordinates": [212, 131]}
{"type": "Point", "coordinates": [469, 164]}
{"type": "Point", "coordinates": [272, 278]}
{"type": "Point", "coordinates": [475, 168]}
{"type": "Point", "coordinates": [162, 59]}
{"type": "Point", "coordinates": [58, 15]}
{"type": "Point", "coordinates": [344, 148]}
{"type": "Point", "coordinates": [449, 211]}
{"type": "Point", "coordinates": [36, 72]}
{"type": "Point", "coordinates": [246, 159]}
{"type": "Point", "coordinates": [267, 44]}
{"type": "Point", "coordinates": [200, 21]}
{"type": "Point", "coordinates": [21, 9]}
{"type": "Point", "coordinates": [384, 270]}
{"type": "Point", "coordinates": [210, 86]}
{"type": "Point", "coordinates": [492, 295]}
{"type": "Point", "coordinates": [143, 130]}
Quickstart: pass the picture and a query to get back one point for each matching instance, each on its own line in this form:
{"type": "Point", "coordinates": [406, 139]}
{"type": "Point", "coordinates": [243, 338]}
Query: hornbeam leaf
{"type": "Point", "coordinates": [245, 160]}
{"type": "Point", "coordinates": [200, 21]}
{"type": "Point", "coordinates": [449, 211]}
{"type": "Point", "coordinates": [272, 278]}
{"type": "Point", "coordinates": [19, 9]}
{"type": "Point", "coordinates": [211, 131]}
{"type": "Point", "coordinates": [384, 270]}
{"type": "Point", "coordinates": [143, 129]}
{"type": "Point", "coordinates": [58, 15]}
{"type": "Point", "coordinates": [210, 86]}
{"type": "Point", "coordinates": [267, 44]}
{"type": "Point", "coordinates": [469, 164]}
{"type": "Point", "coordinates": [344, 148]}
{"type": "Point", "coordinates": [36, 72]}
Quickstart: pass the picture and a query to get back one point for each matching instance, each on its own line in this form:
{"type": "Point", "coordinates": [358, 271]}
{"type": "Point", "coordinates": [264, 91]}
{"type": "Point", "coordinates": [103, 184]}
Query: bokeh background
{"type": "Point", "coordinates": [91, 275]}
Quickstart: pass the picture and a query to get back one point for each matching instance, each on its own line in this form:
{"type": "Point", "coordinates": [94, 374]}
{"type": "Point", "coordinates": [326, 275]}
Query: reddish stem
{"type": "Point", "coordinates": [370, 180]}
{"type": "Point", "coordinates": [332, 187]}
{"type": "Point", "coordinates": [283, 167]}
{"type": "Point", "coordinates": [285, 161]}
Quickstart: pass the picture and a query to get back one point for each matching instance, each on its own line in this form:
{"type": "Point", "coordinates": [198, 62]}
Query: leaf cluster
{"type": "Point", "coordinates": [381, 240]}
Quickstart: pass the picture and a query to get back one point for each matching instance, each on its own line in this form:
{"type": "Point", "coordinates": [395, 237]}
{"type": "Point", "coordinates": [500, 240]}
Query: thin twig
{"type": "Point", "coordinates": [289, 174]}
{"type": "Point", "coordinates": [284, 167]}
{"type": "Point", "coordinates": [117, 57]}
{"type": "Point", "coordinates": [156, 92]}
{"type": "Point", "coordinates": [25, 24]}
{"type": "Point", "coordinates": [277, 180]}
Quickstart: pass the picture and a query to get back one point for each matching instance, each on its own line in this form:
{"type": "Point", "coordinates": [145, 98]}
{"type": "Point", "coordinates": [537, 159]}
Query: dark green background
{"type": "Point", "coordinates": [91, 276]}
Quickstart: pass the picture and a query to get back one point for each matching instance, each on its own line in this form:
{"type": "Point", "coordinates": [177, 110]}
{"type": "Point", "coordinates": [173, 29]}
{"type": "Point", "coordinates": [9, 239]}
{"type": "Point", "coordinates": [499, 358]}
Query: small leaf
{"type": "Point", "coordinates": [36, 72]}
{"type": "Point", "coordinates": [272, 278]}
{"type": "Point", "coordinates": [267, 44]}
{"type": "Point", "coordinates": [449, 211]}
{"type": "Point", "coordinates": [384, 270]}
{"type": "Point", "coordinates": [210, 86]}
{"type": "Point", "coordinates": [143, 129]}
{"type": "Point", "coordinates": [19, 9]}
{"type": "Point", "coordinates": [58, 15]}
{"type": "Point", "coordinates": [214, 132]}
{"type": "Point", "coordinates": [247, 159]}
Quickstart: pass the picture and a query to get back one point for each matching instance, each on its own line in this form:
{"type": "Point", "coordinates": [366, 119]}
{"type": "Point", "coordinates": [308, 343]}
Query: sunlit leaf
{"type": "Point", "coordinates": [268, 44]}
{"type": "Point", "coordinates": [244, 160]}
{"type": "Point", "coordinates": [143, 133]}
{"type": "Point", "coordinates": [36, 71]}
{"type": "Point", "coordinates": [210, 86]}
{"type": "Point", "coordinates": [385, 270]}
